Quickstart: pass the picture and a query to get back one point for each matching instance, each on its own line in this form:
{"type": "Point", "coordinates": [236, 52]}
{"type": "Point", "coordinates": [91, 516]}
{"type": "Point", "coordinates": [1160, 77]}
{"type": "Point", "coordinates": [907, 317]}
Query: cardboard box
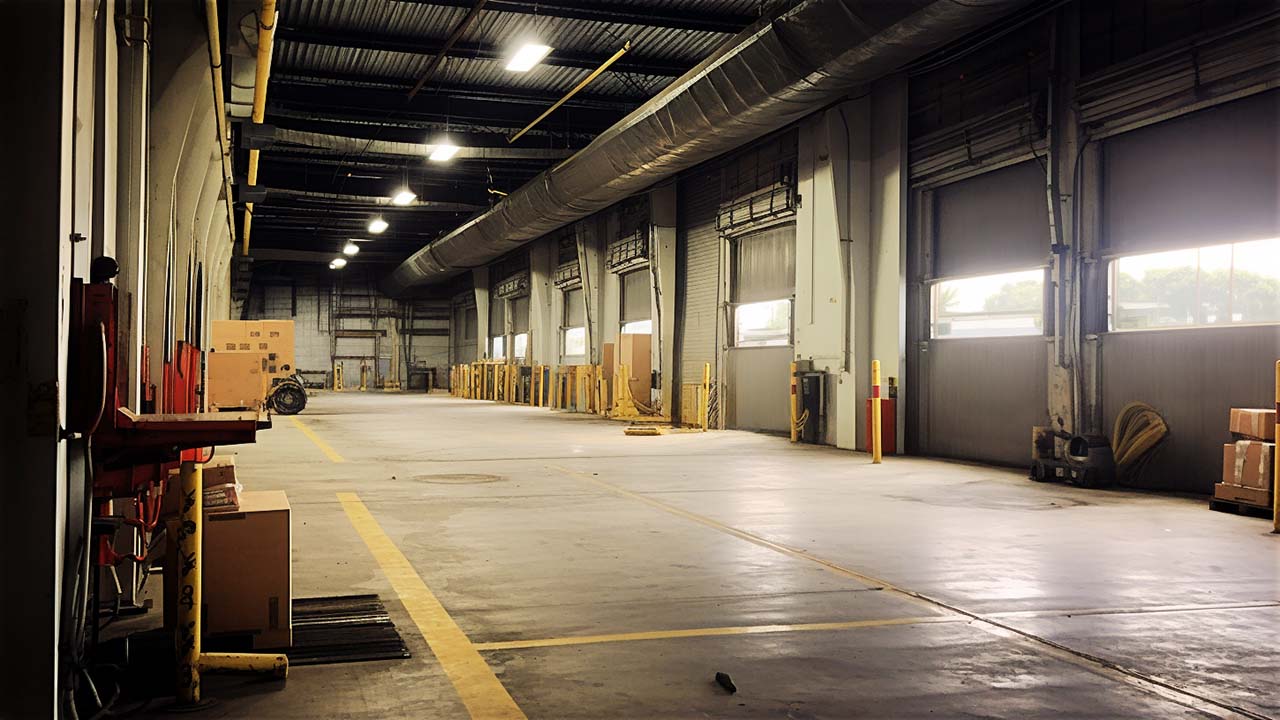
{"type": "Point", "coordinates": [634, 352]}
{"type": "Point", "coordinates": [248, 580]}
{"type": "Point", "coordinates": [228, 335]}
{"type": "Point", "coordinates": [1248, 496]}
{"type": "Point", "coordinates": [1255, 423]}
{"type": "Point", "coordinates": [221, 488]}
{"type": "Point", "coordinates": [235, 380]}
{"type": "Point", "coordinates": [1249, 463]}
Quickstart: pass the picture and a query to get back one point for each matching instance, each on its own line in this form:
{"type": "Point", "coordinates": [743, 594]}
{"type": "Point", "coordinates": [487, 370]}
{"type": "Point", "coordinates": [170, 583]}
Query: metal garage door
{"type": "Point", "coordinates": [982, 394]}
{"type": "Point", "coordinates": [757, 381]}
{"type": "Point", "coordinates": [699, 244]}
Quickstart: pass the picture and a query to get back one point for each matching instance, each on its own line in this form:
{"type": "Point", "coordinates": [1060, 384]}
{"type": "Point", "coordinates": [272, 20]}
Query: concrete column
{"type": "Point", "coordinates": [662, 260]}
{"type": "Point", "coordinates": [594, 278]}
{"type": "Point", "coordinates": [543, 325]}
{"type": "Point", "coordinates": [888, 235]}
{"type": "Point", "coordinates": [480, 285]}
{"type": "Point", "coordinates": [133, 108]}
{"type": "Point", "coordinates": [833, 244]}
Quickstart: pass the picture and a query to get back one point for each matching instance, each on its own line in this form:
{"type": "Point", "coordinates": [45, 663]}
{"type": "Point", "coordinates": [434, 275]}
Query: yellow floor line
{"type": "Point", "coordinates": [711, 632]}
{"type": "Point", "coordinates": [1101, 666]}
{"type": "Point", "coordinates": [313, 437]}
{"type": "Point", "coordinates": [481, 691]}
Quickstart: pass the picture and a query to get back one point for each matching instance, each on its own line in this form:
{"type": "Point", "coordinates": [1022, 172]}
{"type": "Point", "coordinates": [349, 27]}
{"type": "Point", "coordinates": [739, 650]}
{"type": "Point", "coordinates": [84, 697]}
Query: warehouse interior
{"type": "Point", "coordinates": [641, 358]}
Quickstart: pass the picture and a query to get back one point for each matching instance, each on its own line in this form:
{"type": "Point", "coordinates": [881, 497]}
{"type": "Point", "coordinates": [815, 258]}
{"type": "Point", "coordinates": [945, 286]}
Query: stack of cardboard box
{"type": "Point", "coordinates": [1248, 463]}
{"type": "Point", "coordinates": [245, 359]}
{"type": "Point", "coordinates": [247, 592]}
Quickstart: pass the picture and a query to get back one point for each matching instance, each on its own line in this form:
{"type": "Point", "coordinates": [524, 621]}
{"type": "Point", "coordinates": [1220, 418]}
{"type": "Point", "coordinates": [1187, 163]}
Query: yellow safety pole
{"type": "Point", "coordinates": [1275, 479]}
{"type": "Point", "coordinates": [190, 661]}
{"type": "Point", "coordinates": [875, 411]}
{"type": "Point", "coordinates": [364, 377]}
{"type": "Point", "coordinates": [337, 377]}
{"type": "Point", "coordinates": [795, 412]}
{"type": "Point", "coordinates": [599, 389]}
{"type": "Point", "coordinates": [705, 410]}
{"type": "Point", "coordinates": [187, 634]}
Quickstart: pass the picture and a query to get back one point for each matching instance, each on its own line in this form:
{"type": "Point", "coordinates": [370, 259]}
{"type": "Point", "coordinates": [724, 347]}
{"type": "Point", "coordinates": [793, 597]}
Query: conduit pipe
{"type": "Point", "coordinates": [266, 37]}
{"type": "Point", "coordinates": [774, 73]}
{"type": "Point", "coordinates": [219, 107]}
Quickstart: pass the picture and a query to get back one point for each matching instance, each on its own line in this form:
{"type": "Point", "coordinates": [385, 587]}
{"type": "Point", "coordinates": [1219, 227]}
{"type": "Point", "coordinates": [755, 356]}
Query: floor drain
{"type": "Point", "coordinates": [459, 479]}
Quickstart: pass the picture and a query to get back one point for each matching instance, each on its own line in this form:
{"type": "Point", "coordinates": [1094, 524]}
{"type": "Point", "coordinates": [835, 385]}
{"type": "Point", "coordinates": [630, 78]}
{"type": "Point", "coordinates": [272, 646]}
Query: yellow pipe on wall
{"type": "Point", "coordinates": [220, 107]}
{"type": "Point", "coordinates": [266, 39]}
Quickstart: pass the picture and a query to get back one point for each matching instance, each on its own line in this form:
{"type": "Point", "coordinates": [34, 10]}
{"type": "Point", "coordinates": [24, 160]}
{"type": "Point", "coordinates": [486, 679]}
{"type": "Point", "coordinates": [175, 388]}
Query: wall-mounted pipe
{"type": "Point", "coordinates": [266, 38]}
{"type": "Point", "coordinates": [773, 74]}
{"type": "Point", "coordinates": [219, 106]}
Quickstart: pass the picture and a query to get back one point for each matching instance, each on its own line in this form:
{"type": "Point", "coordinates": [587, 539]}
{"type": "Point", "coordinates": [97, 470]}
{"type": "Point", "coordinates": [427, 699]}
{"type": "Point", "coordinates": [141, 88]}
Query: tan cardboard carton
{"type": "Point", "coordinates": [1256, 423]}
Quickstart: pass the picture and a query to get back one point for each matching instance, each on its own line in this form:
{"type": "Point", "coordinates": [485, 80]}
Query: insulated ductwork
{"type": "Point", "coordinates": [765, 78]}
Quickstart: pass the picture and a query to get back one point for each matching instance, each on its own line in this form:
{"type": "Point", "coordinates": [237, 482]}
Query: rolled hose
{"type": "Point", "coordinates": [1138, 430]}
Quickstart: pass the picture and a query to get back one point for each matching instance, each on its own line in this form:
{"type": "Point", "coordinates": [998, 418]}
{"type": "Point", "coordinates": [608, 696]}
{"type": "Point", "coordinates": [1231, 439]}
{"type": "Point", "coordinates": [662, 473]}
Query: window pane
{"type": "Point", "coordinates": [520, 345]}
{"type": "Point", "coordinates": [575, 341]}
{"type": "Point", "coordinates": [499, 352]}
{"type": "Point", "coordinates": [989, 306]}
{"type": "Point", "coordinates": [762, 323]}
{"type": "Point", "coordinates": [1215, 285]}
{"type": "Point", "coordinates": [575, 313]}
{"type": "Point", "coordinates": [638, 327]}
{"type": "Point", "coordinates": [1255, 283]}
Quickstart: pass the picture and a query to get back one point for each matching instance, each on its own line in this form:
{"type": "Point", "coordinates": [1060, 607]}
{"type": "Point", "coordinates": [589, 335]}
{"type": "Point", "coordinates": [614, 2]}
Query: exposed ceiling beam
{"type": "Point", "coordinates": [470, 50]}
{"type": "Point", "coordinates": [262, 254]}
{"type": "Point", "coordinates": [374, 200]}
{"type": "Point", "coordinates": [612, 12]}
{"type": "Point", "coordinates": [347, 144]}
{"type": "Point", "coordinates": [305, 77]}
{"type": "Point", "coordinates": [365, 117]}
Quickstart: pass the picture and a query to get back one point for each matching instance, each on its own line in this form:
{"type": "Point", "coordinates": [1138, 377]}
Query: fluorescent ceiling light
{"type": "Point", "coordinates": [350, 248]}
{"type": "Point", "coordinates": [337, 263]}
{"type": "Point", "coordinates": [404, 197]}
{"type": "Point", "coordinates": [528, 56]}
{"type": "Point", "coordinates": [377, 225]}
{"type": "Point", "coordinates": [443, 151]}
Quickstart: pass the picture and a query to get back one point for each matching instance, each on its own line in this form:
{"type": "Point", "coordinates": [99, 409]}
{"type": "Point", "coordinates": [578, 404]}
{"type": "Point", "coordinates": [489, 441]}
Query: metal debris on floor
{"type": "Point", "coordinates": [348, 628]}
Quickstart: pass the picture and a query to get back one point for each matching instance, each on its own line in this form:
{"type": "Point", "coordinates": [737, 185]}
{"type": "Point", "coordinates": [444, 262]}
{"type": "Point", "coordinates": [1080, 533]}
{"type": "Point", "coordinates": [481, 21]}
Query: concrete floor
{"type": "Point", "coordinates": [948, 590]}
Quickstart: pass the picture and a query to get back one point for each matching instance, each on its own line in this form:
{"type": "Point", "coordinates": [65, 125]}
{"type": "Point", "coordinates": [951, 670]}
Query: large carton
{"type": "Point", "coordinates": [634, 352]}
{"type": "Point", "coordinates": [1238, 494]}
{"type": "Point", "coordinates": [1249, 463]}
{"type": "Point", "coordinates": [278, 338]}
{"type": "Point", "coordinates": [1255, 423]}
{"type": "Point", "coordinates": [235, 380]}
{"type": "Point", "coordinates": [248, 581]}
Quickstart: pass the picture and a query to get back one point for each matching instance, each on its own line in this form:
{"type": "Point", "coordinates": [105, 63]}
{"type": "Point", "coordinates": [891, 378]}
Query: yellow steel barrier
{"type": "Point", "coordinates": [875, 411]}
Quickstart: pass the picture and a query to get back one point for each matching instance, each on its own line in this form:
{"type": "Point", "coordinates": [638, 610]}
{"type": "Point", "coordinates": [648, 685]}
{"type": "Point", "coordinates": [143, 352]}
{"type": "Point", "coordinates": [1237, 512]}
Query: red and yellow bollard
{"type": "Point", "coordinates": [875, 412]}
{"type": "Point", "coordinates": [795, 410]}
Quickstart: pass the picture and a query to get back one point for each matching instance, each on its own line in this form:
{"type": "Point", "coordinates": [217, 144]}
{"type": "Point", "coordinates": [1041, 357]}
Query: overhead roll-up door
{"type": "Point", "coordinates": [575, 313]}
{"type": "Point", "coordinates": [994, 222]}
{"type": "Point", "coordinates": [1205, 178]}
{"type": "Point", "coordinates": [764, 264]}
{"type": "Point", "coordinates": [497, 316]}
{"type": "Point", "coordinates": [520, 315]}
{"type": "Point", "coordinates": [699, 243]}
{"type": "Point", "coordinates": [635, 296]}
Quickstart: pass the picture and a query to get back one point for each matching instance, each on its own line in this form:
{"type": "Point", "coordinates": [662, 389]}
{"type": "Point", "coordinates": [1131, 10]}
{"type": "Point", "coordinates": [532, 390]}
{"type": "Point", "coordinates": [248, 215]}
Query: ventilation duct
{"type": "Point", "coordinates": [772, 74]}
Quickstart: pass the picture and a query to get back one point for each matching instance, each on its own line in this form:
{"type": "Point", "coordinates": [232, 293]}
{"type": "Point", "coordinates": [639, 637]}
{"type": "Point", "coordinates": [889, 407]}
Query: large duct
{"type": "Point", "coordinates": [765, 78]}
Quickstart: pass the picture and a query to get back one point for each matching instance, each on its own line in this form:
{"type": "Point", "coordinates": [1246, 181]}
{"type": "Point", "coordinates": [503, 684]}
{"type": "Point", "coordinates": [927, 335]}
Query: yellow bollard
{"type": "Point", "coordinates": [875, 411]}
{"type": "Point", "coordinates": [795, 412]}
{"type": "Point", "coordinates": [187, 633]}
{"type": "Point", "coordinates": [337, 377]}
{"type": "Point", "coordinates": [364, 377]}
{"type": "Point", "coordinates": [705, 409]}
{"type": "Point", "coordinates": [190, 662]}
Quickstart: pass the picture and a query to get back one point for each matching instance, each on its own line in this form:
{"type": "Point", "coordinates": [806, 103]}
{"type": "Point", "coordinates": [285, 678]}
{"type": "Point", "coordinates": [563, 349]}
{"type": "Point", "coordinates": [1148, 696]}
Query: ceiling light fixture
{"type": "Point", "coordinates": [350, 248]}
{"type": "Point", "coordinates": [443, 151]}
{"type": "Point", "coordinates": [337, 263]}
{"type": "Point", "coordinates": [404, 197]}
{"type": "Point", "coordinates": [527, 56]}
{"type": "Point", "coordinates": [377, 225]}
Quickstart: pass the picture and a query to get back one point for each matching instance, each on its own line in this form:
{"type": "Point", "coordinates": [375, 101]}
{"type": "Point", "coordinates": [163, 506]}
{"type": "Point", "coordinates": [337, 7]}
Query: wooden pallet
{"type": "Point", "coordinates": [1239, 508]}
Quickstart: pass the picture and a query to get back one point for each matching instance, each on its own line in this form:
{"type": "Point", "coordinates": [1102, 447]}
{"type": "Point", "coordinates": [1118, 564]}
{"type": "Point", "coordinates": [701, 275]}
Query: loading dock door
{"type": "Point", "coordinates": [983, 370]}
{"type": "Point", "coordinates": [699, 261]}
{"type": "Point", "coordinates": [758, 362]}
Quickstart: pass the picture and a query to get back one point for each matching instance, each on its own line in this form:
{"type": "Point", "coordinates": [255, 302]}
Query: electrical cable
{"type": "Point", "coordinates": [1138, 430]}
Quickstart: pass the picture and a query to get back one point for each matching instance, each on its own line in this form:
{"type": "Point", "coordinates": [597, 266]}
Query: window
{"type": "Point", "coordinates": [990, 305]}
{"type": "Point", "coordinates": [1215, 285]}
{"type": "Point", "coordinates": [637, 327]}
{"type": "Point", "coordinates": [573, 331]}
{"type": "Point", "coordinates": [760, 324]}
{"type": "Point", "coordinates": [498, 345]}
{"type": "Point", "coordinates": [520, 345]}
{"type": "Point", "coordinates": [763, 280]}
{"type": "Point", "coordinates": [575, 342]}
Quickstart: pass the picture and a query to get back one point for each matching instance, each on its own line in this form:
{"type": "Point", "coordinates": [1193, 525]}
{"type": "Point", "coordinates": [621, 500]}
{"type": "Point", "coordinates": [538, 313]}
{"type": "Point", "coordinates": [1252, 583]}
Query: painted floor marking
{"type": "Point", "coordinates": [480, 690]}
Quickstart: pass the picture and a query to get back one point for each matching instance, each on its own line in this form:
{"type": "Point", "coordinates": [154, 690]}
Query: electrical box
{"type": "Point", "coordinates": [811, 404]}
